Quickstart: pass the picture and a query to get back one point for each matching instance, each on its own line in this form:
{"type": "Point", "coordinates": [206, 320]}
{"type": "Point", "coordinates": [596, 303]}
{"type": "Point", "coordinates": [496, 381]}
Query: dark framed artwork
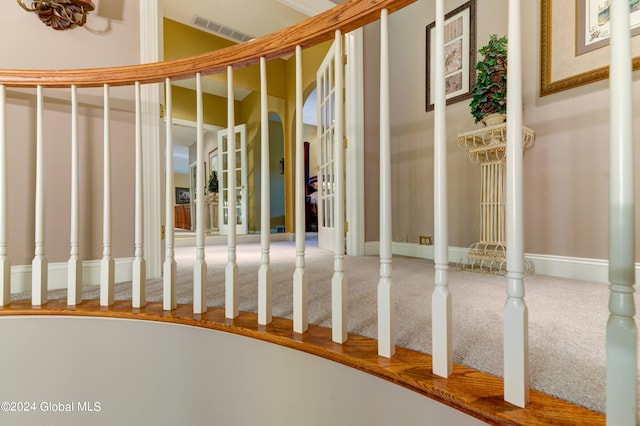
{"type": "Point", "coordinates": [183, 195]}
{"type": "Point", "coordinates": [459, 52]}
{"type": "Point", "coordinates": [574, 43]}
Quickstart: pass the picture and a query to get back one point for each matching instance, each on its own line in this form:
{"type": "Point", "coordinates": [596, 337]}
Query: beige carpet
{"type": "Point", "coordinates": [567, 318]}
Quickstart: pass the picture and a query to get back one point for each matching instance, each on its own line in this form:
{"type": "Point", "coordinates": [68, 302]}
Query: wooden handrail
{"type": "Point", "coordinates": [346, 17]}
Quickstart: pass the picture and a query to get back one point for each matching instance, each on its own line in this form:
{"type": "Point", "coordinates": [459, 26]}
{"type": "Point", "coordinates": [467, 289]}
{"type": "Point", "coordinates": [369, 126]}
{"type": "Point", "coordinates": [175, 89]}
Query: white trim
{"type": "Point", "coordinates": [151, 50]}
{"type": "Point", "coordinates": [354, 109]}
{"type": "Point", "coordinates": [190, 240]}
{"type": "Point", "coordinates": [193, 124]}
{"type": "Point", "coordinates": [21, 274]}
{"type": "Point", "coordinates": [574, 268]}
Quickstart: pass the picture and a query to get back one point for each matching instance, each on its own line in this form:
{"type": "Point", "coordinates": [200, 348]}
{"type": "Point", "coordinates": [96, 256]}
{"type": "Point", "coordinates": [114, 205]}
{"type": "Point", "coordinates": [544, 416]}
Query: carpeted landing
{"type": "Point", "coordinates": [567, 319]}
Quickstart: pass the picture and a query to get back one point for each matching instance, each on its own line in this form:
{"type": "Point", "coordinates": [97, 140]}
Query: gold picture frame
{"type": "Point", "coordinates": [561, 67]}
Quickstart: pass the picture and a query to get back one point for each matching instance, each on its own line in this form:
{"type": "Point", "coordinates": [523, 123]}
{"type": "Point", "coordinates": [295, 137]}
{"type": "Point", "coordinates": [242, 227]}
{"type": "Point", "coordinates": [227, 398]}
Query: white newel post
{"type": "Point", "coordinates": [264, 273]}
{"type": "Point", "coordinates": [300, 321]}
{"type": "Point", "coordinates": [5, 264]}
{"type": "Point", "coordinates": [622, 335]}
{"type": "Point", "coordinates": [169, 301]}
{"type": "Point", "coordinates": [516, 340]}
{"type": "Point", "coordinates": [151, 50]}
{"type": "Point", "coordinates": [200, 267]}
{"type": "Point", "coordinates": [441, 299]}
{"type": "Point", "coordinates": [231, 272]}
{"type": "Point", "coordinates": [386, 295]}
{"type": "Point", "coordinates": [74, 265]}
{"type": "Point", "coordinates": [339, 280]}
{"type": "Point", "coordinates": [39, 266]}
{"type": "Point", "coordinates": [107, 264]}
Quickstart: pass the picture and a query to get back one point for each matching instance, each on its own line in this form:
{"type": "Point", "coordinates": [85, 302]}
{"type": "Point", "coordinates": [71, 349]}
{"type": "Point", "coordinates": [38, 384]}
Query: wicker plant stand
{"type": "Point", "coordinates": [487, 147]}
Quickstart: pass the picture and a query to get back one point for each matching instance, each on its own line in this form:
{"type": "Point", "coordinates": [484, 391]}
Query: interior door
{"type": "Point", "coordinates": [238, 149]}
{"type": "Point", "coordinates": [325, 80]}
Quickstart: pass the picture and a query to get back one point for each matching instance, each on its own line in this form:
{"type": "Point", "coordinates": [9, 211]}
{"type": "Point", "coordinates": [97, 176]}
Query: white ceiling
{"type": "Point", "coordinates": [253, 17]}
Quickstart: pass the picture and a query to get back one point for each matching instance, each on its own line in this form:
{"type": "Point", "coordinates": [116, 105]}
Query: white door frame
{"type": "Point", "coordinates": [354, 131]}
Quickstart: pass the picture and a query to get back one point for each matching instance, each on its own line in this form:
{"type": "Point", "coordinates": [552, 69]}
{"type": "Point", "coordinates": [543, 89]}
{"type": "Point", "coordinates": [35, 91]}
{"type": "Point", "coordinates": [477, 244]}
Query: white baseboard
{"type": "Point", "coordinates": [21, 275]}
{"type": "Point", "coordinates": [190, 239]}
{"type": "Point", "coordinates": [556, 266]}
{"type": "Point", "coordinates": [575, 268]}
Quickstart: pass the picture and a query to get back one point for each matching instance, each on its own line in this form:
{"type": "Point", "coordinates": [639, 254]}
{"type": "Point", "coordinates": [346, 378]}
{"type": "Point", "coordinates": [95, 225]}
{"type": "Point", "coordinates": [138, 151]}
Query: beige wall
{"type": "Point", "coordinates": [565, 173]}
{"type": "Point", "coordinates": [181, 180]}
{"type": "Point", "coordinates": [108, 40]}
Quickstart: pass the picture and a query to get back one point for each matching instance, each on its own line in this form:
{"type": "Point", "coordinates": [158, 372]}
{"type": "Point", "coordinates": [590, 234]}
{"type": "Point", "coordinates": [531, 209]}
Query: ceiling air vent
{"type": "Point", "coordinates": [220, 30]}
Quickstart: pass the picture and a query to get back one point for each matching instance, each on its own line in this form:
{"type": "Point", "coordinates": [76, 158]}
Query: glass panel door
{"type": "Point", "coordinates": [325, 80]}
{"type": "Point", "coordinates": [238, 150]}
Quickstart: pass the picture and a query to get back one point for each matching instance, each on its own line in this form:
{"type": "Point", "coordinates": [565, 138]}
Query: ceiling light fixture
{"type": "Point", "coordinates": [60, 14]}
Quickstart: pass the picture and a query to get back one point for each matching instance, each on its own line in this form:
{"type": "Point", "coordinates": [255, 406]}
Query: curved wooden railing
{"type": "Point", "coordinates": [467, 390]}
{"type": "Point", "coordinates": [349, 16]}
{"type": "Point", "coordinates": [346, 17]}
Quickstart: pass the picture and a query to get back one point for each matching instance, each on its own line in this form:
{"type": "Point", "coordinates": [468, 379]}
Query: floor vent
{"type": "Point", "coordinates": [220, 30]}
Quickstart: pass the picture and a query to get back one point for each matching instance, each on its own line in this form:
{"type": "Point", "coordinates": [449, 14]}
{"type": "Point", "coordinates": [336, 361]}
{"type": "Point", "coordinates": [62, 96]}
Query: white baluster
{"type": "Point", "coordinates": [200, 267]}
{"type": "Point", "coordinates": [300, 320]}
{"type": "Point", "coordinates": [169, 301]}
{"type": "Point", "coordinates": [5, 264]}
{"type": "Point", "coordinates": [264, 273]}
{"type": "Point", "coordinates": [39, 265]}
{"type": "Point", "coordinates": [441, 331]}
{"type": "Point", "coordinates": [516, 339]}
{"type": "Point", "coordinates": [386, 293]}
{"type": "Point", "coordinates": [339, 281]}
{"type": "Point", "coordinates": [74, 266]}
{"type": "Point", "coordinates": [138, 298]}
{"type": "Point", "coordinates": [231, 272]}
{"type": "Point", "coordinates": [622, 334]}
{"type": "Point", "coordinates": [107, 265]}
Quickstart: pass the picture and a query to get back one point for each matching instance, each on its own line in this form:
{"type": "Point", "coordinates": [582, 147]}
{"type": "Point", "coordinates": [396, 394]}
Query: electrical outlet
{"type": "Point", "coordinates": [426, 241]}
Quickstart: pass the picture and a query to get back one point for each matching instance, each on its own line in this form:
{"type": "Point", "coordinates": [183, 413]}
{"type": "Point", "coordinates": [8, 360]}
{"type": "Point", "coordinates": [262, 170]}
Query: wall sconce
{"type": "Point", "coordinates": [60, 14]}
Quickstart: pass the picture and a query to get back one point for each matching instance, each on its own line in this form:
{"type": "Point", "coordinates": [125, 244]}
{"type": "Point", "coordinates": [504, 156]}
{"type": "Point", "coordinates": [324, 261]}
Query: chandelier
{"type": "Point", "coordinates": [60, 14]}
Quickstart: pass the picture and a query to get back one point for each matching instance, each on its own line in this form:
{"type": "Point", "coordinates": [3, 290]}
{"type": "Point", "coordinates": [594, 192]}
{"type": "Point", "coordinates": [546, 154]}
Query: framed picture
{"type": "Point", "coordinates": [574, 39]}
{"type": "Point", "coordinates": [183, 196]}
{"type": "Point", "coordinates": [213, 160]}
{"type": "Point", "coordinates": [592, 23]}
{"type": "Point", "coordinates": [459, 55]}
